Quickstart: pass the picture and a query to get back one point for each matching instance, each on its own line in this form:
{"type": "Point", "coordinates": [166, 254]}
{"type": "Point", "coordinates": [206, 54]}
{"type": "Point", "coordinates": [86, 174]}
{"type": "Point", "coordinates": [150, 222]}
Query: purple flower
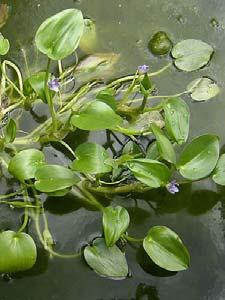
{"type": "Point", "coordinates": [173, 187]}
{"type": "Point", "coordinates": [54, 85]}
{"type": "Point", "coordinates": [143, 69]}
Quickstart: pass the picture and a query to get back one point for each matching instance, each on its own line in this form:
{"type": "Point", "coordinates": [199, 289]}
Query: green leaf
{"type": "Point", "coordinates": [199, 158]}
{"type": "Point", "coordinates": [59, 35]}
{"type": "Point", "coordinates": [17, 252]}
{"type": "Point", "coordinates": [152, 151]}
{"type": "Point", "coordinates": [143, 121]}
{"type": "Point", "coordinates": [191, 55]}
{"type": "Point", "coordinates": [51, 178]}
{"type": "Point", "coordinates": [91, 158]}
{"type": "Point", "coordinates": [108, 96]}
{"type": "Point", "coordinates": [150, 172]}
{"type": "Point", "coordinates": [177, 118]}
{"type": "Point", "coordinates": [203, 89]}
{"type": "Point", "coordinates": [166, 249]}
{"type": "Point", "coordinates": [88, 41]}
{"type": "Point", "coordinates": [109, 262]}
{"type": "Point", "coordinates": [25, 163]}
{"type": "Point", "coordinates": [96, 116]}
{"type": "Point", "coordinates": [115, 222]}
{"type": "Point", "coordinates": [164, 145]}
{"type": "Point", "coordinates": [4, 45]}
{"type": "Point", "coordinates": [10, 134]}
{"type": "Point", "coordinates": [37, 82]}
{"type": "Point", "coordinates": [219, 172]}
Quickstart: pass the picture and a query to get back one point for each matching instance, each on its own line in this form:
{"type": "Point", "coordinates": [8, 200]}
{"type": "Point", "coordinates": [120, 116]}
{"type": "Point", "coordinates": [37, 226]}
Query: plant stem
{"type": "Point", "coordinates": [26, 215]}
{"type": "Point", "coordinates": [132, 239]}
{"type": "Point", "coordinates": [6, 196]}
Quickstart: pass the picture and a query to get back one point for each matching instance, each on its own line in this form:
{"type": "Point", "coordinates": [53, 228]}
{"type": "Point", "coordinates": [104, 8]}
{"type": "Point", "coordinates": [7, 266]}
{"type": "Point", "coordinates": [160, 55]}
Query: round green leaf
{"type": "Point", "coordinates": [190, 55]}
{"type": "Point", "coordinates": [164, 145]}
{"type": "Point", "coordinates": [199, 158]}
{"type": "Point", "coordinates": [219, 172]}
{"type": "Point", "coordinates": [109, 262]}
{"type": "Point", "coordinates": [25, 163]}
{"type": "Point", "coordinates": [202, 89]}
{"type": "Point", "coordinates": [91, 158]}
{"type": "Point", "coordinates": [51, 178]}
{"type": "Point", "coordinates": [150, 172]}
{"type": "Point", "coordinates": [177, 118]}
{"type": "Point", "coordinates": [59, 35]}
{"type": "Point", "coordinates": [17, 252]}
{"type": "Point", "coordinates": [96, 116]}
{"type": "Point", "coordinates": [166, 249]}
{"type": "Point", "coordinates": [115, 222]}
{"type": "Point", "coordinates": [4, 45]}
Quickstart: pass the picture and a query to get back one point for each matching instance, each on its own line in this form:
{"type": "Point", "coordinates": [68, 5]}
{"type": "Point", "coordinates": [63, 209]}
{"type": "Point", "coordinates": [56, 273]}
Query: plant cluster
{"type": "Point", "coordinates": [123, 109]}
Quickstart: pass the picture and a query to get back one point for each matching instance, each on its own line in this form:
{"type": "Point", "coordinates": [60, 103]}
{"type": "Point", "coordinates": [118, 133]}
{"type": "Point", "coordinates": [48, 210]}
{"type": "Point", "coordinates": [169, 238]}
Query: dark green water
{"type": "Point", "coordinates": [197, 213]}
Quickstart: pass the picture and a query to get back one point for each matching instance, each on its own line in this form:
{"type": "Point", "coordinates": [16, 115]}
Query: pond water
{"type": "Point", "coordinates": [197, 213]}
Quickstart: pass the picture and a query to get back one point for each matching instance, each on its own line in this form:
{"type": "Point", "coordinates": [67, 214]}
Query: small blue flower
{"type": "Point", "coordinates": [173, 187]}
{"type": "Point", "coordinates": [54, 85]}
{"type": "Point", "coordinates": [143, 69]}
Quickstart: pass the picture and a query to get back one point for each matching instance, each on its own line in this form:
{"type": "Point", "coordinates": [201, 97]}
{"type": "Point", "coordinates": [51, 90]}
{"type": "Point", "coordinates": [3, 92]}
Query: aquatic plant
{"type": "Point", "coordinates": [122, 109]}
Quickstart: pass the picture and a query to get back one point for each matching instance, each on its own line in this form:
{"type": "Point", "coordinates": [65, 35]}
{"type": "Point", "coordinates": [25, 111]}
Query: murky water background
{"type": "Point", "coordinates": [196, 213]}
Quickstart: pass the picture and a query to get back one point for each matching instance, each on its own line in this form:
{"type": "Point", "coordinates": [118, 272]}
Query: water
{"type": "Point", "coordinates": [196, 213]}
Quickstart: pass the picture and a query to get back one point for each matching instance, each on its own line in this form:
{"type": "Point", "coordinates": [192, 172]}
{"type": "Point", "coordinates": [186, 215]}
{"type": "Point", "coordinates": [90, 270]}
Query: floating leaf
{"type": "Point", "coordinates": [166, 249]}
{"type": "Point", "coordinates": [109, 262]}
{"type": "Point", "coordinates": [96, 116]}
{"type": "Point", "coordinates": [51, 178]}
{"type": "Point", "coordinates": [164, 145]}
{"type": "Point", "coordinates": [219, 172]}
{"type": "Point", "coordinates": [190, 55]}
{"type": "Point", "coordinates": [150, 172]}
{"type": "Point", "coordinates": [17, 252]}
{"type": "Point", "coordinates": [25, 163]}
{"type": "Point", "coordinates": [202, 89]}
{"type": "Point", "coordinates": [10, 134]}
{"type": "Point", "coordinates": [177, 118]}
{"type": "Point", "coordinates": [59, 35]}
{"type": "Point", "coordinates": [91, 158]}
{"type": "Point", "coordinates": [115, 222]}
{"type": "Point", "coordinates": [4, 45]}
{"type": "Point", "coordinates": [88, 41]}
{"type": "Point", "coordinates": [144, 121]}
{"type": "Point", "coordinates": [199, 158]}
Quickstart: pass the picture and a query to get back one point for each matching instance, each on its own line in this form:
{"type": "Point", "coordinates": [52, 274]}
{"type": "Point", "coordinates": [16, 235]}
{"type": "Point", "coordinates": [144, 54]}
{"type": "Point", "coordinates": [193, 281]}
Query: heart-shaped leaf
{"type": "Point", "coordinates": [150, 172]}
{"type": "Point", "coordinates": [191, 55]}
{"type": "Point", "coordinates": [25, 163]}
{"type": "Point", "coordinates": [109, 262]}
{"type": "Point", "coordinates": [96, 116]}
{"type": "Point", "coordinates": [51, 178]}
{"type": "Point", "coordinates": [177, 117]}
{"type": "Point", "coordinates": [91, 158]}
{"type": "Point", "coordinates": [166, 249]}
{"type": "Point", "coordinates": [59, 35]}
{"type": "Point", "coordinates": [199, 158]}
{"type": "Point", "coordinates": [17, 252]}
{"type": "Point", "coordinates": [164, 145]}
{"type": "Point", "coordinates": [203, 89]}
{"type": "Point", "coordinates": [115, 222]}
{"type": "Point", "coordinates": [219, 172]}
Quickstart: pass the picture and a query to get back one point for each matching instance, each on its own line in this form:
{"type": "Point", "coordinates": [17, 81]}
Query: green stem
{"type": "Point", "coordinates": [161, 97]}
{"type": "Point", "coordinates": [6, 196]}
{"type": "Point", "coordinates": [132, 239]}
{"type": "Point", "coordinates": [26, 214]}
{"type": "Point", "coordinates": [64, 144]}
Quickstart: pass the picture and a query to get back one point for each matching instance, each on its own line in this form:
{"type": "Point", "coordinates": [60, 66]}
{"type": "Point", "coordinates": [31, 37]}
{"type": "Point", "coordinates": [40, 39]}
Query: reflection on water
{"type": "Point", "coordinates": [196, 213]}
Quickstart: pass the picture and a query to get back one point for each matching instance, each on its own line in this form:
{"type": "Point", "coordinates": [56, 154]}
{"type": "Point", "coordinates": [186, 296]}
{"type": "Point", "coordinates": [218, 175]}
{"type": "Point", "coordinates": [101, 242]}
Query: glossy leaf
{"type": "Point", "coordinates": [10, 134]}
{"type": "Point", "coordinates": [164, 145]}
{"type": "Point", "coordinates": [108, 96]}
{"type": "Point", "coordinates": [166, 249]}
{"type": "Point", "coordinates": [150, 172]}
{"type": "Point", "coordinates": [203, 89]}
{"type": "Point", "coordinates": [96, 116]}
{"type": "Point", "coordinates": [177, 119]}
{"type": "Point", "coordinates": [17, 252]}
{"type": "Point", "coordinates": [152, 151]}
{"type": "Point", "coordinates": [219, 172]}
{"type": "Point", "coordinates": [88, 41]}
{"type": "Point", "coordinates": [59, 35]}
{"type": "Point", "coordinates": [109, 262]}
{"type": "Point", "coordinates": [51, 178]}
{"type": "Point", "coordinates": [37, 82]}
{"type": "Point", "coordinates": [191, 55]}
{"type": "Point", "coordinates": [199, 158]}
{"type": "Point", "coordinates": [4, 45]}
{"type": "Point", "coordinates": [25, 163]}
{"type": "Point", "coordinates": [115, 222]}
{"type": "Point", "coordinates": [91, 158]}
